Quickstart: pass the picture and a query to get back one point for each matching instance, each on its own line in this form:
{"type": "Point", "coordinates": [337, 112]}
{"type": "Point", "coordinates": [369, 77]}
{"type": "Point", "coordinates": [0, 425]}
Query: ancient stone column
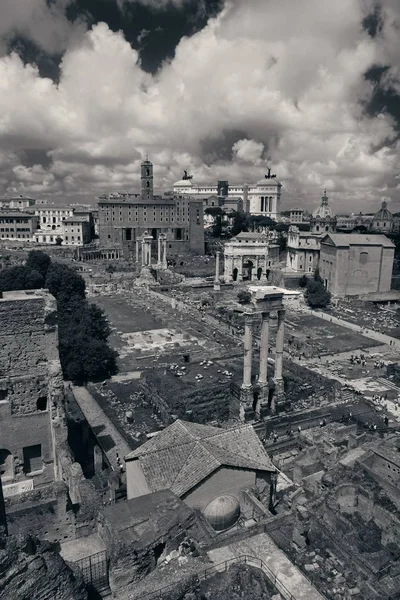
{"type": "Point", "coordinates": [279, 390]}
{"type": "Point", "coordinates": [164, 264]}
{"type": "Point", "coordinates": [143, 252]}
{"type": "Point", "coordinates": [240, 268]}
{"type": "Point", "coordinates": [246, 394]}
{"type": "Point", "coordinates": [228, 268]}
{"type": "Point", "coordinates": [263, 375]}
{"type": "Point", "coordinates": [217, 286]}
{"type": "Point", "coordinates": [137, 251]}
{"type": "Point", "coordinates": [159, 252]}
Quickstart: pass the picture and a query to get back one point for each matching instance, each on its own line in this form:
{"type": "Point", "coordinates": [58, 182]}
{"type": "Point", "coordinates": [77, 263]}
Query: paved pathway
{"type": "Point", "coordinates": [102, 425]}
{"type": "Point", "coordinates": [369, 333]}
{"type": "Point", "coordinates": [261, 546]}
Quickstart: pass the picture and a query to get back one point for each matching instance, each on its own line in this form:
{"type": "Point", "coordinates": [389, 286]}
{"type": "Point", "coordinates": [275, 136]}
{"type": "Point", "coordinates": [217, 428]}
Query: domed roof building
{"type": "Point", "coordinates": [223, 512]}
{"type": "Point", "coordinates": [323, 219]}
{"type": "Point", "coordinates": [383, 220]}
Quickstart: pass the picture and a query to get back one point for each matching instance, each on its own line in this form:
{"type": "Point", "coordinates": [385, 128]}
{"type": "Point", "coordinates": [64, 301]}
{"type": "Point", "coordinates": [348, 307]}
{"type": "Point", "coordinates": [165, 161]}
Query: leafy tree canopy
{"type": "Point", "coordinates": [303, 281]}
{"type": "Point", "coordinates": [63, 282]}
{"type": "Point", "coordinates": [317, 296]}
{"type": "Point", "coordinates": [38, 261]}
{"type": "Point", "coordinates": [244, 297]}
{"type": "Point", "coordinates": [20, 278]}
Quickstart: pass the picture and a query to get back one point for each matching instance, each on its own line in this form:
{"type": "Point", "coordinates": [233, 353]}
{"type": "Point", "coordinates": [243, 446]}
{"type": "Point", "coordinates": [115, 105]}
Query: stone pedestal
{"type": "Point", "coordinates": [246, 403]}
{"type": "Point", "coordinates": [248, 414]}
{"type": "Point", "coordinates": [264, 410]}
{"type": "Point", "coordinates": [279, 395]}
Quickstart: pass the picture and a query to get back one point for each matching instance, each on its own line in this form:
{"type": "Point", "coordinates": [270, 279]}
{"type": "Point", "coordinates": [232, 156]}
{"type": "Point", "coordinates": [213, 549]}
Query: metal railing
{"type": "Point", "coordinates": [224, 566]}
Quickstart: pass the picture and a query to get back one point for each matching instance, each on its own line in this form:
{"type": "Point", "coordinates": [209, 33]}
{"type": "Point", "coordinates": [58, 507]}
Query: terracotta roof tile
{"type": "Point", "coordinates": [183, 454]}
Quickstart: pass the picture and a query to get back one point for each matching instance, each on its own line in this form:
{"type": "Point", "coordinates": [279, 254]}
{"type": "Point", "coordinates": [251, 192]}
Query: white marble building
{"type": "Point", "coordinates": [261, 198]}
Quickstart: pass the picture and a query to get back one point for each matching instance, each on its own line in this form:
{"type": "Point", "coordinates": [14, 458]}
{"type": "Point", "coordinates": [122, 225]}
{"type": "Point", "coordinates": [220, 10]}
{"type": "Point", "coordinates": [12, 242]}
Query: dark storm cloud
{"type": "Point", "coordinates": [165, 27]}
{"type": "Point", "coordinates": [35, 156]}
{"type": "Point", "coordinates": [373, 22]}
{"type": "Point", "coordinates": [212, 150]}
{"type": "Point", "coordinates": [383, 100]}
{"type": "Point", "coordinates": [29, 52]}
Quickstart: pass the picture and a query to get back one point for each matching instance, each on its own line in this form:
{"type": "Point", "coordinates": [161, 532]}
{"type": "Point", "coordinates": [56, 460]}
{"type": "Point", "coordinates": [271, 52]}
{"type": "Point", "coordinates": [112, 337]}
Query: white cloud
{"type": "Point", "coordinates": [291, 82]}
{"type": "Point", "coordinates": [248, 151]}
{"type": "Point", "coordinates": [46, 25]}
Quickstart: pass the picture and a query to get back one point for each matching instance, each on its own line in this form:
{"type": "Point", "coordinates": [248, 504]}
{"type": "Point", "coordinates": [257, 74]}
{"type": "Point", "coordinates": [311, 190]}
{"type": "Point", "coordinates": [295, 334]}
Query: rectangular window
{"type": "Point", "coordinates": [32, 458]}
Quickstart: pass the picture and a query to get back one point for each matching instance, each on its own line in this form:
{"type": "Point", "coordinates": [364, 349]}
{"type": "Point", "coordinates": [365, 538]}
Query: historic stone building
{"type": "Point", "coordinates": [303, 249]}
{"type": "Point", "coordinates": [353, 264]}
{"type": "Point", "coordinates": [383, 220]}
{"type": "Point", "coordinates": [16, 225]}
{"type": "Point", "coordinates": [250, 256]}
{"type": "Point", "coordinates": [323, 218]}
{"type": "Point", "coordinates": [31, 390]}
{"type": "Point", "coordinates": [261, 198]}
{"type": "Point", "coordinates": [198, 463]}
{"type": "Point", "coordinates": [125, 217]}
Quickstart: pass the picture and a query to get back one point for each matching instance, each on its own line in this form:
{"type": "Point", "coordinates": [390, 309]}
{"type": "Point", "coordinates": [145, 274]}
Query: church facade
{"type": "Point", "coordinates": [303, 247]}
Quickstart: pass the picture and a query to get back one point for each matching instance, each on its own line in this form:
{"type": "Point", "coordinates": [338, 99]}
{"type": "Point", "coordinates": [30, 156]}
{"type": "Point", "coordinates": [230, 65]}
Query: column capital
{"type": "Point", "coordinates": [250, 318]}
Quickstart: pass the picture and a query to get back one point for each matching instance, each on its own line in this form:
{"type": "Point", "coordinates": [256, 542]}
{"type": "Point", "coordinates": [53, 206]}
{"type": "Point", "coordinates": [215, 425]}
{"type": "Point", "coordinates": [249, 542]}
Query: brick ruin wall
{"type": "Point", "coordinates": [32, 414]}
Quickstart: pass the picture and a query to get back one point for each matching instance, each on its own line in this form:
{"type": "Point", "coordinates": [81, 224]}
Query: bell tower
{"type": "Point", "coordinates": [146, 177]}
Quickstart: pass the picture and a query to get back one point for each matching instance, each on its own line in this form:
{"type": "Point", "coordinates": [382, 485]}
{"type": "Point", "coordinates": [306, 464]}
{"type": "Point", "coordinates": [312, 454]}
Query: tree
{"type": "Point", "coordinates": [282, 241]}
{"type": "Point", "coordinates": [317, 276]}
{"type": "Point", "coordinates": [256, 221]}
{"type": "Point", "coordinates": [63, 282]}
{"type": "Point", "coordinates": [316, 295]}
{"type": "Point", "coordinates": [217, 213]}
{"type": "Point", "coordinates": [110, 269]}
{"type": "Point", "coordinates": [239, 222]}
{"type": "Point", "coordinates": [20, 278]}
{"type": "Point", "coordinates": [303, 281]}
{"type": "Point", "coordinates": [244, 297]}
{"type": "Point", "coordinates": [38, 261]}
{"type": "Point", "coordinates": [59, 241]}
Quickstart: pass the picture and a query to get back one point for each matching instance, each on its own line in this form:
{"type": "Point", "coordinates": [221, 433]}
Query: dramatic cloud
{"type": "Point", "coordinates": [43, 23]}
{"type": "Point", "coordinates": [290, 83]}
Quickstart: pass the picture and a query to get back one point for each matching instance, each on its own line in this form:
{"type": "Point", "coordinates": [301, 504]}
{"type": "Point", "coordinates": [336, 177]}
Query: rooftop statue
{"type": "Point", "coordinates": [269, 176]}
{"type": "Point", "coordinates": [186, 176]}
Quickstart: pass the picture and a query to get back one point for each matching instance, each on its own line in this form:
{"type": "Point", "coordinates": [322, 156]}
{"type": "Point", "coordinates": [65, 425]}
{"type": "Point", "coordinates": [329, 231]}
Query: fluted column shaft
{"type": "Point", "coordinates": [279, 345]}
{"type": "Point", "coordinates": [264, 341]}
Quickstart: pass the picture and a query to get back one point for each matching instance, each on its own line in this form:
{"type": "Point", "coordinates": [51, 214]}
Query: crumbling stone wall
{"type": "Point", "coordinates": [33, 570]}
{"type": "Point", "coordinates": [31, 385]}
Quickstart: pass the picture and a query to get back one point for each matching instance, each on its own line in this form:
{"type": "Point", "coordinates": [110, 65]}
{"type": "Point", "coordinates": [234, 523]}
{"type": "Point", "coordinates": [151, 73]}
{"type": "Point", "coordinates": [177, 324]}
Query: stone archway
{"type": "Point", "coordinates": [6, 464]}
{"type": "Point", "coordinates": [249, 267]}
{"type": "Point", "coordinates": [259, 273]}
{"type": "Point", "coordinates": [235, 274]}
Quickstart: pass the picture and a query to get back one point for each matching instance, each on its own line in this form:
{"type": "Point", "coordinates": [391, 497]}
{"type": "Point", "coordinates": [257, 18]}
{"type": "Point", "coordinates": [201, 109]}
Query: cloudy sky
{"type": "Point", "coordinates": [222, 88]}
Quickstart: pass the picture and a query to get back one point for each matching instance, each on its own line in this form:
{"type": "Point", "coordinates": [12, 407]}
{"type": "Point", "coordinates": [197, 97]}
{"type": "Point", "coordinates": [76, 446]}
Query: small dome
{"type": "Point", "coordinates": [324, 210]}
{"type": "Point", "coordinates": [223, 512]}
{"type": "Point", "coordinates": [183, 183]}
{"type": "Point", "coordinates": [383, 213]}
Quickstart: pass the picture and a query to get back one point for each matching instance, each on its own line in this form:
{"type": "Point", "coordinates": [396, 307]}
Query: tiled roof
{"type": "Point", "coordinates": [358, 239]}
{"type": "Point", "coordinates": [183, 454]}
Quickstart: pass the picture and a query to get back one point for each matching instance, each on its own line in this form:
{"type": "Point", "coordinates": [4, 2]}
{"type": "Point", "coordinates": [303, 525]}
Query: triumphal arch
{"type": "Point", "coordinates": [250, 256]}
